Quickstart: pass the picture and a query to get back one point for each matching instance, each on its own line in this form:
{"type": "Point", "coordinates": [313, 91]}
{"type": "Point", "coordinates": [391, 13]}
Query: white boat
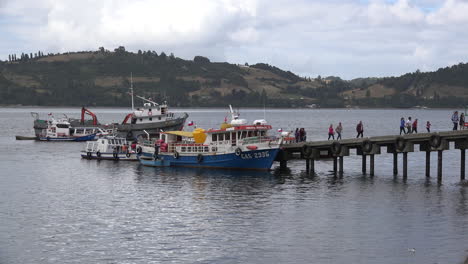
{"type": "Point", "coordinates": [61, 130]}
{"type": "Point", "coordinates": [110, 148]}
{"type": "Point", "coordinates": [236, 145]}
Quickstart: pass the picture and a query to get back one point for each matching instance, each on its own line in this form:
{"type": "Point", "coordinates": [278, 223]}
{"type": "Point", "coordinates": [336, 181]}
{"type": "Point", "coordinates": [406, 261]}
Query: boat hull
{"type": "Point", "coordinates": [109, 156]}
{"type": "Point", "coordinates": [73, 139]}
{"type": "Point", "coordinates": [247, 160]}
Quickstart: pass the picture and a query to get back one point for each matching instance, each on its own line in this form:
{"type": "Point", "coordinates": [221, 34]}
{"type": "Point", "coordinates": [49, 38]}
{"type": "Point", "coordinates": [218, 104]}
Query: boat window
{"type": "Point", "coordinates": [227, 136]}
{"type": "Point", "coordinates": [206, 149]}
{"type": "Point", "coordinates": [79, 131]}
{"type": "Point", "coordinates": [141, 119]}
{"type": "Point", "coordinates": [111, 141]}
{"type": "Point", "coordinates": [150, 119]}
{"type": "Point", "coordinates": [159, 118]}
{"type": "Point", "coordinates": [233, 136]}
{"type": "Point", "coordinates": [189, 149]}
{"type": "Point", "coordinates": [214, 148]}
{"type": "Point", "coordinates": [244, 134]}
{"type": "Point", "coordinates": [262, 133]}
{"type": "Point", "coordinates": [182, 149]}
{"type": "Point", "coordinates": [249, 134]}
{"type": "Point", "coordinates": [214, 138]}
{"type": "Point", "coordinates": [255, 133]}
{"type": "Point", "coordinates": [200, 149]}
{"type": "Point", "coordinates": [220, 137]}
{"type": "Point", "coordinates": [62, 126]}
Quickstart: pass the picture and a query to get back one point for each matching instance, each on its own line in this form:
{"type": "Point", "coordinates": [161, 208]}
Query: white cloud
{"type": "Point", "coordinates": [310, 37]}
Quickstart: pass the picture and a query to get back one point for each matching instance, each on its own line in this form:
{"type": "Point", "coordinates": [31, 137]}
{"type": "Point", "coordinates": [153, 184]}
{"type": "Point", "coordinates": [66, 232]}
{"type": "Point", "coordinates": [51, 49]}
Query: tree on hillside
{"type": "Point", "coordinates": [201, 60]}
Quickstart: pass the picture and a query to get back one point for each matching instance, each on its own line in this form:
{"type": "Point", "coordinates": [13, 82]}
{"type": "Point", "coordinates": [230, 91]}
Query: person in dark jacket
{"type": "Point", "coordinates": [462, 121]}
{"type": "Point", "coordinates": [455, 120]}
{"type": "Point", "coordinates": [402, 125]}
{"type": "Point", "coordinates": [360, 129]}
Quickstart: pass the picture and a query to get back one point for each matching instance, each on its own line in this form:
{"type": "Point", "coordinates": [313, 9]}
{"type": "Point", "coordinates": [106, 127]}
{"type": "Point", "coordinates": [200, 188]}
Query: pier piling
{"type": "Point", "coordinates": [405, 164]}
{"type": "Point", "coordinates": [462, 164]}
{"type": "Point", "coordinates": [395, 163]}
{"type": "Point", "coordinates": [335, 164]}
{"type": "Point", "coordinates": [340, 168]}
{"type": "Point", "coordinates": [307, 166]}
{"type": "Point", "coordinates": [428, 163]}
{"type": "Point", "coordinates": [364, 166]}
{"type": "Point", "coordinates": [439, 165]}
{"type": "Point", "coordinates": [371, 170]}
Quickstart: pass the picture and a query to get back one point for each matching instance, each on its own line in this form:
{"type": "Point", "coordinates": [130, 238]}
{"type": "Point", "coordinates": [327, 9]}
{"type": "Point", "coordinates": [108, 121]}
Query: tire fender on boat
{"type": "Point", "coordinates": [128, 154]}
{"type": "Point", "coordinates": [139, 150]}
{"type": "Point", "coordinates": [200, 158]}
{"type": "Point", "coordinates": [176, 155]}
{"type": "Point", "coordinates": [98, 154]}
{"type": "Point", "coordinates": [238, 151]}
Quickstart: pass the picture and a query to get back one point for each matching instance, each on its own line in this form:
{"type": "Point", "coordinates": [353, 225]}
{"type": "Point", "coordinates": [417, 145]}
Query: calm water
{"type": "Point", "coordinates": [58, 208]}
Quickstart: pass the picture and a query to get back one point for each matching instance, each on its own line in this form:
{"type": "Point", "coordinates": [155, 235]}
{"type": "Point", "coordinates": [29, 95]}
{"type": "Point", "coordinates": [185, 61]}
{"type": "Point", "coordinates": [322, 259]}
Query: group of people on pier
{"type": "Point", "coordinates": [458, 120]}
{"type": "Point", "coordinates": [407, 126]}
{"type": "Point", "coordinates": [300, 135]}
{"type": "Point", "coordinates": [339, 129]}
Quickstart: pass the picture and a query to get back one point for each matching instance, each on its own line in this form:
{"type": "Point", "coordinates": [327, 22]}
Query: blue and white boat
{"type": "Point", "coordinates": [61, 130]}
{"type": "Point", "coordinates": [235, 145]}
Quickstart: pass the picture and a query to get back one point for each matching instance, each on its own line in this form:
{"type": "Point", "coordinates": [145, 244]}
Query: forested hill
{"type": "Point", "coordinates": [102, 78]}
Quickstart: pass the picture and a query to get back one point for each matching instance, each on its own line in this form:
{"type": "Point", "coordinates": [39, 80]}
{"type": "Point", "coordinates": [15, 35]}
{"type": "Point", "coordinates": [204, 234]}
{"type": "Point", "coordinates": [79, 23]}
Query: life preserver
{"type": "Point", "coordinates": [128, 154]}
{"type": "Point", "coordinates": [98, 154]}
{"type": "Point", "coordinates": [200, 158]}
{"type": "Point", "coordinates": [400, 143]}
{"type": "Point", "coordinates": [306, 150]}
{"type": "Point", "coordinates": [88, 155]}
{"type": "Point", "coordinates": [335, 148]}
{"type": "Point", "coordinates": [139, 150]}
{"type": "Point", "coordinates": [238, 151]}
{"type": "Point", "coordinates": [176, 155]}
{"type": "Point", "coordinates": [435, 141]}
{"type": "Point", "coordinates": [366, 146]}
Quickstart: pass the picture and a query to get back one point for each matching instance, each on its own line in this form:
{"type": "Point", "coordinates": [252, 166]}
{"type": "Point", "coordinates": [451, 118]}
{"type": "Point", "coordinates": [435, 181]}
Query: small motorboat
{"type": "Point", "coordinates": [110, 148]}
{"type": "Point", "coordinates": [60, 130]}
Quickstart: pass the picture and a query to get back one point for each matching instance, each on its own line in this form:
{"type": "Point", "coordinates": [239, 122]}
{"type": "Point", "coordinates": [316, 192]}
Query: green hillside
{"type": "Point", "coordinates": [102, 78]}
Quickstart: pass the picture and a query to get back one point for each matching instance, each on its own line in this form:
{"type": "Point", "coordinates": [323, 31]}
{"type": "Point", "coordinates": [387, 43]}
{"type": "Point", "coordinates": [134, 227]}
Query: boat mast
{"type": "Point", "coordinates": [131, 90]}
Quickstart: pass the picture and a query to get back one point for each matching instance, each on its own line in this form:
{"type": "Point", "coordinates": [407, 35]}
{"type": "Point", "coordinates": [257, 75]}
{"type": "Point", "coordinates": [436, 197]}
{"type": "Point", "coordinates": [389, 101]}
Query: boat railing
{"type": "Point", "coordinates": [256, 140]}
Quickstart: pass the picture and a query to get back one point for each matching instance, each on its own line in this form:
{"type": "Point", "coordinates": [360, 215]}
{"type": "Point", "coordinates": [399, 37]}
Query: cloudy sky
{"type": "Point", "coordinates": [347, 38]}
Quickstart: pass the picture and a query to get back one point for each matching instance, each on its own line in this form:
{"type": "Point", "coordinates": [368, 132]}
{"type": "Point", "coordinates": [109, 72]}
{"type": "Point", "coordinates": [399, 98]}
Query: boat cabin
{"type": "Point", "coordinates": [149, 113]}
{"type": "Point", "coordinates": [222, 140]}
{"type": "Point", "coordinates": [108, 145]}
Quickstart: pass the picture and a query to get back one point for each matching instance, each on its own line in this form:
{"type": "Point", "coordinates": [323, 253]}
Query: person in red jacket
{"type": "Point", "coordinates": [360, 129]}
{"type": "Point", "coordinates": [331, 133]}
{"type": "Point", "coordinates": [415, 126]}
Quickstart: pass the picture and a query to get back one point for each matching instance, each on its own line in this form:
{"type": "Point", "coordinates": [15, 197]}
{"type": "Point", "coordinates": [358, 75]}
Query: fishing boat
{"type": "Point", "coordinates": [110, 148]}
{"type": "Point", "coordinates": [236, 145]}
{"type": "Point", "coordinates": [61, 130]}
{"type": "Point", "coordinates": [151, 116]}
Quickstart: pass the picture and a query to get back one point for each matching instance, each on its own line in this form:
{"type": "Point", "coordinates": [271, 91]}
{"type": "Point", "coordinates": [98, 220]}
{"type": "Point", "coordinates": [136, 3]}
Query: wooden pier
{"type": "Point", "coordinates": [371, 146]}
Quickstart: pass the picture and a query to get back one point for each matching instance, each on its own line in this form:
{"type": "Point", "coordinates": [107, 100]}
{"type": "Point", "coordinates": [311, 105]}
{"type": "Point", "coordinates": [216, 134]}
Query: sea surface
{"type": "Point", "coordinates": [58, 208]}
